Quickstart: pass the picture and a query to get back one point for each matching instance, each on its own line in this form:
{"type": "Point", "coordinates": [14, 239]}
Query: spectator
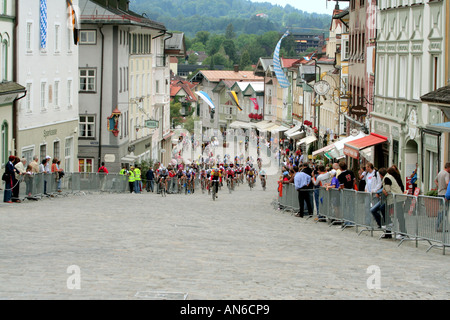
{"type": "Point", "coordinates": [361, 176]}
{"type": "Point", "coordinates": [347, 180]}
{"type": "Point", "coordinates": [323, 178]}
{"type": "Point", "coordinates": [103, 169]}
{"type": "Point", "coordinates": [35, 165]}
{"type": "Point", "coordinates": [150, 177]}
{"type": "Point", "coordinates": [19, 165]}
{"type": "Point", "coordinates": [56, 172]}
{"type": "Point", "coordinates": [378, 209]}
{"type": "Point", "coordinates": [346, 177]}
{"type": "Point", "coordinates": [10, 179]}
{"type": "Point", "coordinates": [301, 182]}
{"type": "Point", "coordinates": [442, 182]}
{"type": "Point", "coordinates": [390, 187]}
{"type": "Point", "coordinates": [414, 179]}
{"type": "Point", "coordinates": [29, 175]}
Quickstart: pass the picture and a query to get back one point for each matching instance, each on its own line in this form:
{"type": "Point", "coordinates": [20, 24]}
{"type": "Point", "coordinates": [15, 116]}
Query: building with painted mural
{"type": "Point", "coordinates": [47, 66]}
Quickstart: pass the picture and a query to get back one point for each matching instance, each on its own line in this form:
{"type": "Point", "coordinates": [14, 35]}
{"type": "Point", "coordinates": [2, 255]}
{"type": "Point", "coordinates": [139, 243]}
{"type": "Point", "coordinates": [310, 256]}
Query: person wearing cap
{"type": "Point", "coordinates": [10, 179]}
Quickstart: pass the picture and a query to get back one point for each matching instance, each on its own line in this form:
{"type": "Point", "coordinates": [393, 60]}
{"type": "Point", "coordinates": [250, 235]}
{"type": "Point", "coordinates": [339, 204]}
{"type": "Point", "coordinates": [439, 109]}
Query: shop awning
{"type": "Point", "coordinates": [279, 129]}
{"type": "Point", "coordinates": [338, 147]}
{"type": "Point", "coordinates": [352, 148]}
{"type": "Point", "coordinates": [307, 140]}
{"type": "Point", "coordinates": [323, 150]}
{"type": "Point", "coordinates": [292, 131]}
{"type": "Point", "coordinates": [263, 124]}
{"type": "Point", "coordinates": [241, 125]}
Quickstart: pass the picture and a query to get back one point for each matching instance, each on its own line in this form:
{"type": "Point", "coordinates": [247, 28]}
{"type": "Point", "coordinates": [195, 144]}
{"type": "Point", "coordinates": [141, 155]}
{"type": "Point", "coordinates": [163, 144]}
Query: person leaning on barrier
{"type": "Point", "coordinates": [378, 209]}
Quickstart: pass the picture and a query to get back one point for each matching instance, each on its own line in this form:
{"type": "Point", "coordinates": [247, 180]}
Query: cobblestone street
{"type": "Point", "coordinates": [136, 246]}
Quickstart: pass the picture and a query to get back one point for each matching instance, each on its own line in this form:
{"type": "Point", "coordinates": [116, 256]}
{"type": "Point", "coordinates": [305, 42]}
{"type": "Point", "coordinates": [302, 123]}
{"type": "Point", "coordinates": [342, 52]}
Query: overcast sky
{"type": "Point", "coordinates": [319, 6]}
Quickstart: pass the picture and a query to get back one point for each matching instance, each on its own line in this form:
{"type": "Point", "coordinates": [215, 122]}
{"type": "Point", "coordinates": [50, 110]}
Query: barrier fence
{"type": "Point", "coordinates": [405, 217]}
{"type": "Point", "coordinates": [40, 185]}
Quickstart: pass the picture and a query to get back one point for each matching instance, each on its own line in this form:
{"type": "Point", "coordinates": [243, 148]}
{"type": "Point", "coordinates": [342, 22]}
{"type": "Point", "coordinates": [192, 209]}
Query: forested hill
{"type": "Point", "coordinates": [191, 16]}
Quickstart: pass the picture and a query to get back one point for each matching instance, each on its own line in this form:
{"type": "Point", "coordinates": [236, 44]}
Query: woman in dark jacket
{"type": "Point", "coordinates": [10, 179]}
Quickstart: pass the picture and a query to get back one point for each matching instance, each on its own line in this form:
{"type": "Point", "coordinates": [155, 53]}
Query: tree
{"type": "Point", "coordinates": [202, 36]}
{"type": "Point", "coordinates": [229, 33]}
{"type": "Point", "coordinates": [230, 50]}
{"type": "Point", "coordinates": [245, 60]}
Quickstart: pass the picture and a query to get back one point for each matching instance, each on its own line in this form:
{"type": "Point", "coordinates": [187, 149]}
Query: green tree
{"type": "Point", "coordinates": [229, 32]}
{"type": "Point", "coordinates": [245, 60]}
{"type": "Point", "coordinates": [230, 50]}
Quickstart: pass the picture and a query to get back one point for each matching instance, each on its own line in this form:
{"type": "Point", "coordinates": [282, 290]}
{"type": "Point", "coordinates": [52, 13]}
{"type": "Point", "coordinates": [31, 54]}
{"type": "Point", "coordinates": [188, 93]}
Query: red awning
{"type": "Point", "coordinates": [352, 148]}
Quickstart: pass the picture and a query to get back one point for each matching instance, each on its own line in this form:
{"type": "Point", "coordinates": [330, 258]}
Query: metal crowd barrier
{"type": "Point", "coordinates": [406, 217]}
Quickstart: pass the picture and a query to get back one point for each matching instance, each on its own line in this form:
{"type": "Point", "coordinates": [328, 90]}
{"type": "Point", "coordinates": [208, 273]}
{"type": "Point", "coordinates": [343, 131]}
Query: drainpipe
{"type": "Point", "coordinates": [15, 105]}
{"type": "Point", "coordinates": [101, 100]}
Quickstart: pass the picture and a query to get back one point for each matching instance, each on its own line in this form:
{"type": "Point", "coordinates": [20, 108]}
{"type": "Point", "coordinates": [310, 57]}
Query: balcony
{"type": "Point", "coordinates": [161, 99]}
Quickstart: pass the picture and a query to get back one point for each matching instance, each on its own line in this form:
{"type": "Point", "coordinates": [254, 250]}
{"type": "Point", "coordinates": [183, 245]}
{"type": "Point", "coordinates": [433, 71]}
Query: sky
{"type": "Point", "coordinates": [318, 6]}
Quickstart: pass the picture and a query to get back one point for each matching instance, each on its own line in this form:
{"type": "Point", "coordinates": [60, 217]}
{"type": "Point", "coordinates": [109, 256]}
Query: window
{"type": "Point", "coordinates": [57, 38]}
{"type": "Point", "coordinates": [56, 93]}
{"type": "Point", "coordinates": [56, 150]}
{"type": "Point", "coordinates": [87, 80]}
{"type": "Point", "coordinates": [402, 77]}
{"type": "Point", "coordinates": [29, 43]}
{"type": "Point", "coordinates": [42, 151]}
{"type": "Point", "coordinates": [43, 96]}
{"type": "Point", "coordinates": [87, 125]}
{"type": "Point", "coordinates": [86, 165]}
{"type": "Point", "coordinates": [68, 154]}
{"type": "Point", "coordinates": [88, 37]}
{"type": "Point", "coordinates": [69, 93]}
{"type": "Point", "coordinates": [28, 153]}
{"type": "Point", "coordinates": [4, 62]}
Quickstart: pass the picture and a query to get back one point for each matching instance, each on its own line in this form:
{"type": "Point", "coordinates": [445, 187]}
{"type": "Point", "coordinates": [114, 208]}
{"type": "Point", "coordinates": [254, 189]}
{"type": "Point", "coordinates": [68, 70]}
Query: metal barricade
{"type": "Point", "coordinates": [371, 201]}
{"type": "Point", "coordinates": [335, 212]}
{"type": "Point", "coordinates": [432, 214]}
{"type": "Point", "coordinates": [324, 204]}
{"type": "Point", "coordinates": [348, 198]}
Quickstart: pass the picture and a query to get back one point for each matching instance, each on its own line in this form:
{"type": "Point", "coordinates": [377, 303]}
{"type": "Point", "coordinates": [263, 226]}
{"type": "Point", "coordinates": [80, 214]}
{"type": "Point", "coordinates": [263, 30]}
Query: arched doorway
{"type": "Point", "coordinates": [411, 158]}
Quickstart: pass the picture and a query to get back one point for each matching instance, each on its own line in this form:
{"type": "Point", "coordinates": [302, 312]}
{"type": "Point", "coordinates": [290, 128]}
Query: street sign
{"type": "Point", "coordinates": [151, 124]}
{"type": "Point", "coordinates": [358, 110]}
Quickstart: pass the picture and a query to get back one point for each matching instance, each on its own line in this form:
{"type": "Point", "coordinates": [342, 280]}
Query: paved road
{"type": "Point", "coordinates": [131, 246]}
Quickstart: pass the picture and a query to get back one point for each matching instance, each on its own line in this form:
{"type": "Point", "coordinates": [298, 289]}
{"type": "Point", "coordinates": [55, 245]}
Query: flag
{"type": "Point", "coordinates": [74, 21]}
{"type": "Point", "coordinates": [255, 102]}
{"type": "Point", "coordinates": [206, 98]}
{"type": "Point", "coordinates": [309, 58]}
{"type": "Point", "coordinates": [43, 23]}
{"type": "Point", "coordinates": [282, 80]}
{"type": "Point", "coordinates": [234, 97]}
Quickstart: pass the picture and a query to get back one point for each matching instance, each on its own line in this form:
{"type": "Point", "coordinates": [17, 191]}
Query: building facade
{"type": "Point", "coordinates": [47, 66]}
{"type": "Point", "coordinates": [123, 83]}
{"type": "Point", "coordinates": [410, 62]}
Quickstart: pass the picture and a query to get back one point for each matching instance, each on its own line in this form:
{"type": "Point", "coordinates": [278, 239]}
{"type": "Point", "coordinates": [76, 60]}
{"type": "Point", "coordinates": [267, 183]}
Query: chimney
{"type": "Point", "coordinates": [236, 68]}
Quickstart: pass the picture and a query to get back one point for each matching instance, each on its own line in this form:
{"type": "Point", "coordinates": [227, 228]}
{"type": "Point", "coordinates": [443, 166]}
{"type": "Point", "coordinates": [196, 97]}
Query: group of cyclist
{"type": "Point", "coordinates": [210, 176]}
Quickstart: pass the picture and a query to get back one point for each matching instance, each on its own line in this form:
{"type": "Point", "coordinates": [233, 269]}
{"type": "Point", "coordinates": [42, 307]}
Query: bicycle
{"type": "Point", "coordinates": [203, 185]}
{"type": "Point", "coordinates": [251, 183]}
{"type": "Point", "coordinates": [162, 186]}
{"type": "Point", "coordinates": [229, 184]}
{"type": "Point", "coordinates": [214, 185]}
{"type": "Point", "coordinates": [263, 183]}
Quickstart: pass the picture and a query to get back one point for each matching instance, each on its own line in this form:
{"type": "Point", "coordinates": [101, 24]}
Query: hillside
{"type": "Point", "coordinates": [191, 16]}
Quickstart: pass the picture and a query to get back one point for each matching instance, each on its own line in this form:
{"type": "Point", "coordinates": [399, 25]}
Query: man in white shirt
{"type": "Point", "coordinates": [373, 184]}
{"type": "Point", "coordinates": [372, 178]}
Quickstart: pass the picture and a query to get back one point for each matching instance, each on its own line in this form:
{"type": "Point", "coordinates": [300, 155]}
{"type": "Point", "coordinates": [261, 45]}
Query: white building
{"type": "Point", "coordinates": [124, 81]}
{"type": "Point", "coordinates": [47, 66]}
{"type": "Point", "coordinates": [410, 63]}
{"type": "Point", "coordinates": [9, 90]}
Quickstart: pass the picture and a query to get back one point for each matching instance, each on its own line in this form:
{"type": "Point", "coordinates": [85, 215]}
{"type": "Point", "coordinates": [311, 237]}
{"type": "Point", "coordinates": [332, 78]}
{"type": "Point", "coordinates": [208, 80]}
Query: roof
{"type": "Point", "coordinates": [10, 87]}
{"type": "Point", "coordinates": [95, 11]}
{"type": "Point", "coordinates": [288, 63]}
{"type": "Point", "coordinates": [218, 75]}
{"type": "Point", "coordinates": [176, 44]}
{"type": "Point", "coordinates": [440, 96]}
